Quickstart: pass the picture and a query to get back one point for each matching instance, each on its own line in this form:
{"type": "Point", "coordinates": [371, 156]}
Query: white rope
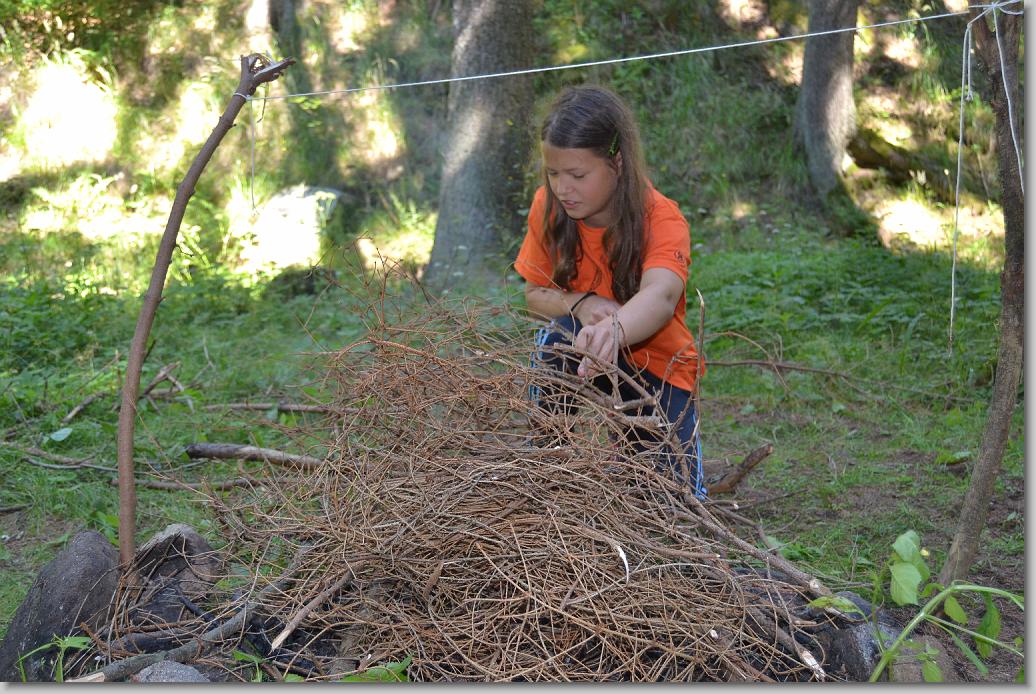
{"type": "Point", "coordinates": [1010, 106]}
{"type": "Point", "coordinates": [613, 61]}
{"type": "Point", "coordinates": [966, 95]}
{"type": "Point", "coordinates": [251, 133]}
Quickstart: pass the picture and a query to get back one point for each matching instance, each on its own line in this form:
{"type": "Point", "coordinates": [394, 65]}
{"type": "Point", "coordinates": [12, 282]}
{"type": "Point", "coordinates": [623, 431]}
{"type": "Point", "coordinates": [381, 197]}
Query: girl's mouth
{"type": "Point", "coordinates": [569, 203]}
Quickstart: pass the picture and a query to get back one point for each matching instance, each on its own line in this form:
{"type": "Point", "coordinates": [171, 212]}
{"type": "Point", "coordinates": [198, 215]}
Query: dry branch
{"type": "Point", "coordinates": [729, 481]}
{"type": "Point", "coordinates": [176, 485]}
{"type": "Point", "coordinates": [233, 451]}
{"type": "Point", "coordinates": [266, 406]}
{"type": "Point", "coordinates": [62, 462]}
{"type": "Point", "coordinates": [255, 70]}
{"type": "Point", "coordinates": [82, 406]}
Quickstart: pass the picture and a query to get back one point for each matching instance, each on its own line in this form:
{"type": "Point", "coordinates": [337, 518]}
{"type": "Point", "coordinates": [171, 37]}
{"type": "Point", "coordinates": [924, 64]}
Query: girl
{"type": "Point", "coordinates": [605, 258]}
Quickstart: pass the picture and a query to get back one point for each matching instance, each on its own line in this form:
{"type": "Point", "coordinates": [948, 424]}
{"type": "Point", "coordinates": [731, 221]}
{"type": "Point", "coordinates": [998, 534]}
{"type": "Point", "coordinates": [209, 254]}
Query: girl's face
{"type": "Point", "coordinates": [583, 182]}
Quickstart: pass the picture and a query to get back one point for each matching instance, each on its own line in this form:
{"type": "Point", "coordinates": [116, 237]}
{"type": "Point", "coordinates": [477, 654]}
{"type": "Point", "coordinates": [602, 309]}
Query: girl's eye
{"type": "Point", "coordinates": [578, 176]}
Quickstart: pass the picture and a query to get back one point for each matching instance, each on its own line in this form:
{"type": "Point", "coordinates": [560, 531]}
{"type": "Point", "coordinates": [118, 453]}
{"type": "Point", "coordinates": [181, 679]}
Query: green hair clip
{"type": "Point", "coordinates": [614, 148]}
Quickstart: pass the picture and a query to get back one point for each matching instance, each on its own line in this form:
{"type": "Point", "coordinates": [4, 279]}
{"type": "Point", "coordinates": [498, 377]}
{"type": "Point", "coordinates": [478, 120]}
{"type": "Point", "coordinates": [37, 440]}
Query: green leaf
{"type": "Point", "coordinates": [904, 583]}
{"type": "Point", "coordinates": [930, 671]}
{"type": "Point", "coordinates": [1020, 677]}
{"type": "Point", "coordinates": [246, 657]}
{"type": "Point", "coordinates": [61, 434]}
{"type": "Point", "coordinates": [837, 602]}
{"type": "Point", "coordinates": [387, 672]}
{"type": "Point", "coordinates": [954, 611]}
{"type": "Point", "coordinates": [988, 627]}
{"type": "Point", "coordinates": [74, 642]}
{"type": "Point", "coordinates": [292, 677]}
{"type": "Point", "coordinates": [908, 546]}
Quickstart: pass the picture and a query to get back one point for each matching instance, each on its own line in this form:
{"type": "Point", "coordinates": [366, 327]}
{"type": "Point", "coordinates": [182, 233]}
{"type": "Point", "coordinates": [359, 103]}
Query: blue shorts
{"type": "Point", "coordinates": [676, 403]}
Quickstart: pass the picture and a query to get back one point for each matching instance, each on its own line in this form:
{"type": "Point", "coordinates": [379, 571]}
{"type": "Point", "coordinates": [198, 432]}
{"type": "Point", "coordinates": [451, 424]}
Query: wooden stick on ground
{"type": "Point", "coordinates": [734, 477]}
{"type": "Point", "coordinates": [263, 406]}
{"type": "Point", "coordinates": [233, 451]}
{"type": "Point", "coordinates": [82, 406]}
{"type": "Point", "coordinates": [63, 462]}
{"type": "Point", "coordinates": [176, 485]}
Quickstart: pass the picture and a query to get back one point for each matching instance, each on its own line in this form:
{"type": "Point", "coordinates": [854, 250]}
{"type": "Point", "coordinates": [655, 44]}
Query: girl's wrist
{"type": "Point", "coordinates": [584, 297]}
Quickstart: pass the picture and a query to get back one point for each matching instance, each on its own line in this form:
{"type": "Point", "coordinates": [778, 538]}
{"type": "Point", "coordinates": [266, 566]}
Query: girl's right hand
{"type": "Point", "coordinates": [595, 309]}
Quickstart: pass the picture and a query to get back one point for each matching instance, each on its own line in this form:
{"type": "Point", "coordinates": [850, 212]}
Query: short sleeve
{"type": "Point", "coordinates": [668, 242]}
{"type": "Point", "coordinates": [533, 262]}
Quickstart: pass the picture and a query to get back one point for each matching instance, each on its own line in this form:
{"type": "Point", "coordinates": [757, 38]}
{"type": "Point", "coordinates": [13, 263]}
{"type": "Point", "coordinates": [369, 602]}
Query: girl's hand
{"type": "Point", "coordinates": [595, 309]}
{"type": "Point", "coordinates": [598, 340]}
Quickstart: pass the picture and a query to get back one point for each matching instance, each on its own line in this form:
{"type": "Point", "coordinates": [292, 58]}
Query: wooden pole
{"type": "Point", "coordinates": [255, 70]}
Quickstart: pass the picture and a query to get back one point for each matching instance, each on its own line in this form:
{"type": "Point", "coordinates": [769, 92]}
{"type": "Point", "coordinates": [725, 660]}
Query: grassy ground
{"type": "Point", "coordinates": [879, 444]}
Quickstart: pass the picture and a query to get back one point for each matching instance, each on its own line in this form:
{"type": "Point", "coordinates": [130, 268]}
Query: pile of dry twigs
{"type": "Point", "coordinates": [438, 528]}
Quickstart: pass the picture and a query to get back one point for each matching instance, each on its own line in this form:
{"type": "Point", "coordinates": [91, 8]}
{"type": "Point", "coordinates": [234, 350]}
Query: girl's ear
{"type": "Point", "coordinates": [617, 162]}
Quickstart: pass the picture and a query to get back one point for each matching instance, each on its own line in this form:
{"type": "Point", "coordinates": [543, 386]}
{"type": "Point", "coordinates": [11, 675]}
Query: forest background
{"type": "Point", "coordinates": [103, 105]}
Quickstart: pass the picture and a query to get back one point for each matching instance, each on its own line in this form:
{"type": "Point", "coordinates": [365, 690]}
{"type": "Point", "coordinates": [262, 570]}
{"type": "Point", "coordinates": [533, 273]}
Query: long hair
{"type": "Point", "coordinates": [595, 118]}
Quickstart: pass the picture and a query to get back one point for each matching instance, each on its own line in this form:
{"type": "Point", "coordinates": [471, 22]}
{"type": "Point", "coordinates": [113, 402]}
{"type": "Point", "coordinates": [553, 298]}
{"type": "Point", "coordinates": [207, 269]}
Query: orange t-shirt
{"type": "Point", "coordinates": [670, 353]}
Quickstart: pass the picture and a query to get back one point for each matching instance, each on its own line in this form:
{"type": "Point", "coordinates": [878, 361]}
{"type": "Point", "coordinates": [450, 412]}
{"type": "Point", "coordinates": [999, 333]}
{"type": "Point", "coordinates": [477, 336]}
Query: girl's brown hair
{"type": "Point", "coordinates": [595, 118]}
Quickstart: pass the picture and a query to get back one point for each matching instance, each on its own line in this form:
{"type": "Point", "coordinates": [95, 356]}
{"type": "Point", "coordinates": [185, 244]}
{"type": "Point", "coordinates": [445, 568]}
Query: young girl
{"type": "Point", "coordinates": [605, 258]}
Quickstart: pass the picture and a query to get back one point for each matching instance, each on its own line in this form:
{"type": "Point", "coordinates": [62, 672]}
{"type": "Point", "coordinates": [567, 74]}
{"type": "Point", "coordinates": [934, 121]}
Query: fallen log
{"type": "Point", "coordinates": [871, 151]}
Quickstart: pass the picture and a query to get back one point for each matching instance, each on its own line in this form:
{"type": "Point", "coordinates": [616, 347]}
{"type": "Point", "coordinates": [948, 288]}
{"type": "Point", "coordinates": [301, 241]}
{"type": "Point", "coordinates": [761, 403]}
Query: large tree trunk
{"type": "Point", "coordinates": [825, 115]}
{"type": "Point", "coordinates": [975, 510]}
{"type": "Point", "coordinates": [488, 137]}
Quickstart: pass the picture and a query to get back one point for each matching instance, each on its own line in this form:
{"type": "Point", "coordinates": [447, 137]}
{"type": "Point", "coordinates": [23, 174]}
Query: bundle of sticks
{"type": "Point", "coordinates": [454, 523]}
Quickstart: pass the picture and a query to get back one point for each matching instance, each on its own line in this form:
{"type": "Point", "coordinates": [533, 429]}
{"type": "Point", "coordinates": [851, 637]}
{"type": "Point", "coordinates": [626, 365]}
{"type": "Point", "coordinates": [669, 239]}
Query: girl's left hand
{"type": "Point", "coordinates": [598, 340]}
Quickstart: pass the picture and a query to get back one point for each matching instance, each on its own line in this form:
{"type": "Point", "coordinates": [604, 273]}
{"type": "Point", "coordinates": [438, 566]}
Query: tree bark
{"type": "Point", "coordinates": [254, 71]}
{"type": "Point", "coordinates": [975, 509]}
{"type": "Point", "coordinates": [488, 137]}
{"type": "Point", "coordinates": [825, 115]}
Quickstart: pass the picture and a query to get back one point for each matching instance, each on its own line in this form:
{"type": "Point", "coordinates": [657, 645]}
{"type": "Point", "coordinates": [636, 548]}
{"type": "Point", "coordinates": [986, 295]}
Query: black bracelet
{"type": "Point", "coordinates": [581, 299]}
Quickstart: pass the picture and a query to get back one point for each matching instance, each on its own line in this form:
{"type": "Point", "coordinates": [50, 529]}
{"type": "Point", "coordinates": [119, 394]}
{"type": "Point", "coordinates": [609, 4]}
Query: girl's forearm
{"type": "Point", "coordinates": [646, 313]}
{"type": "Point", "coordinates": [549, 302]}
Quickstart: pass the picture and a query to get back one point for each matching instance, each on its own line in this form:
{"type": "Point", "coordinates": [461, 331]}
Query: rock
{"type": "Point", "coordinates": [289, 228]}
{"type": "Point", "coordinates": [169, 671]}
{"type": "Point", "coordinates": [853, 650]}
{"type": "Point", "coordinates": [179, 553]}
{"type": "Point", "coordinates": [76, 586]}
{"type": "Point", "coordinates": [177, 566]}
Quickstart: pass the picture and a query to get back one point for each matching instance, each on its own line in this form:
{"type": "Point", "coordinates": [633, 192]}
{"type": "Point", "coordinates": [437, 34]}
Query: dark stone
{"type": "Point", "coordinates": [182, 556]}
{"type": "Point", "coordinates": [177, 568]}
{"type": "Point", "coordinates": [852, 648]}
{"type": "Point", "coordinates": [169, 671]}
{"type": "Point", "coordinates": [76, 586]}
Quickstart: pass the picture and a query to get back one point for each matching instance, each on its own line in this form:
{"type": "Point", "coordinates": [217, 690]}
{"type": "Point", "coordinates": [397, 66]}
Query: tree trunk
{"type": "Point", "coordinates": [825, 115]}
{"type": "Point", "coordinates": [488, 137]}
{"type": "Point", "coordinates": [975, 510]}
